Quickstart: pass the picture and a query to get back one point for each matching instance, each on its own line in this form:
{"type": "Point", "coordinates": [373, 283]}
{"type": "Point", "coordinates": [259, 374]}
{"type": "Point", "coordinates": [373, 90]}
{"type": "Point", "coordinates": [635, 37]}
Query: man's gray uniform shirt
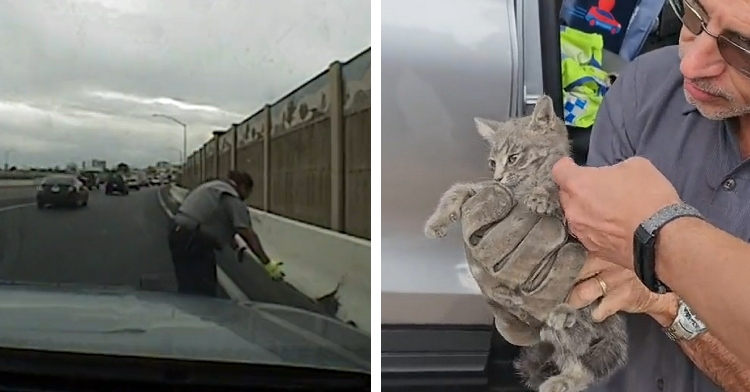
{"type": "Point", "coordinates": [217, 208]}
{"type": "Point", "coordinates": [646, 114]}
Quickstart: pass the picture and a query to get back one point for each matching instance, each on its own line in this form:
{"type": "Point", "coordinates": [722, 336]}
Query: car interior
{"type": "Point", "coordinates": [666, 33]}
{"type": "Point", "coordinates": [500, 373]}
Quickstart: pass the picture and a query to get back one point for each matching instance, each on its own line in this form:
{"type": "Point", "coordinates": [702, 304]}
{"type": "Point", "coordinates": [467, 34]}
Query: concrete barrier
{"type": "Point", "coordinates": [317, 262]}
{"type": "Point", "coordinates": [14, 192]}
{"type": "Point", "coordinates": [17, 183]}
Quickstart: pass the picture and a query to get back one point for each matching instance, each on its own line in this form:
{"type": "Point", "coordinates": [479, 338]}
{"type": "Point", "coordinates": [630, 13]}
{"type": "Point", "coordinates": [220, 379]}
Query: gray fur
{"type": "Point", "coordinates": [564, 350]}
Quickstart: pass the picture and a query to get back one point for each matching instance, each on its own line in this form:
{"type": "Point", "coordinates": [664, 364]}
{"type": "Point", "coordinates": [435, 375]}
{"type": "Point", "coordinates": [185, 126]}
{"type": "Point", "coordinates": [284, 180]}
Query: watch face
{"type": "Point", "coordinates": [690, 321]}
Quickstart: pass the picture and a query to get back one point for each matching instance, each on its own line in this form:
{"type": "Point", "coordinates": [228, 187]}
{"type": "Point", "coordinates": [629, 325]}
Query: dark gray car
{"type": "Point", "coordinates": [62, 190]}
{"type": "Point", "coordinates": [116, 185]}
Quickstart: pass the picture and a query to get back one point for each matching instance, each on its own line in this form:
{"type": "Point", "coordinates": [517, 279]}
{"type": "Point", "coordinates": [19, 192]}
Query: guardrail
{"type": "Point", "coordinates": [318, 263]}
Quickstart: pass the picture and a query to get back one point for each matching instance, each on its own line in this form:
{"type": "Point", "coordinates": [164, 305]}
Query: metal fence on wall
{"type": "Point", "coordinates": [314, 166]}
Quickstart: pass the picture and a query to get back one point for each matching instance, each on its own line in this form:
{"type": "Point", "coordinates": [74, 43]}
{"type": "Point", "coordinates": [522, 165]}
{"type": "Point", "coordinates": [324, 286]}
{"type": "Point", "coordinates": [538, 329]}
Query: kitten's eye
{"type": "Point", "coordinates": [513, 158]}
{"type": "Point", "coordinates": [492, 164]}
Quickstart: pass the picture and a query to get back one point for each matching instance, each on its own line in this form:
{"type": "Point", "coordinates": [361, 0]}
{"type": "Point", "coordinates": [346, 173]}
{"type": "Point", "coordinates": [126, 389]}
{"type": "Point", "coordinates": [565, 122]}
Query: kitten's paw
{"type": "Point", "coordinates": [540, 201]}
{"type": "Point", "coordinates": [437, 225]}
{"type": "Point", "coordinates": [562, 317]}
{"type": "Point", "coordinates": [437, 228]}
{"type": "Point", "coordinates": [562, 383]}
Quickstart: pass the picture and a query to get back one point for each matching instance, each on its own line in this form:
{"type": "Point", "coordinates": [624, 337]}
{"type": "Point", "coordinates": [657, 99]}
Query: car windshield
{"type": "Point", "coordinates": [187, 179]}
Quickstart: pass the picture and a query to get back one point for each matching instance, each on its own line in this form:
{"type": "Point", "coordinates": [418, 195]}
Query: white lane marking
{"type": "Point", "coordinates": [225, 281]}
{"type": "Point", "coordinates": [13, 207]}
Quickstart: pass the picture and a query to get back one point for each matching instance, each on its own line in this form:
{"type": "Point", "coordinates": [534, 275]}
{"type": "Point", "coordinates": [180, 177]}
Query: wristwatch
{"type": "Point", "coordinates": [644, 243]}
{"type": "Point", "coordinates": [686, 326]}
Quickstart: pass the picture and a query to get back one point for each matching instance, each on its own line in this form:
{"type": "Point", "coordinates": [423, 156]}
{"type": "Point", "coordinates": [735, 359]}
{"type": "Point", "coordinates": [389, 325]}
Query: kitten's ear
{"type": "Point", "coordinates": [486, 128]}
{"type": "Point", "coordinates": [544, 111]}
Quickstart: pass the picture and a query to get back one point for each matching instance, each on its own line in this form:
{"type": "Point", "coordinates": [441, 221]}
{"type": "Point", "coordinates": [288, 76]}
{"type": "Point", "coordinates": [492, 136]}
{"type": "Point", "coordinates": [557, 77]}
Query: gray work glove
{"type": "Point", "coordinates": [511, 251]}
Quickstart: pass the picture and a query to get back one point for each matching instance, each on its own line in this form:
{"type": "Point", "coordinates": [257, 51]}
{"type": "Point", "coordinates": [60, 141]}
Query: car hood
{"type": "Point", "coordinates": [167, 325]}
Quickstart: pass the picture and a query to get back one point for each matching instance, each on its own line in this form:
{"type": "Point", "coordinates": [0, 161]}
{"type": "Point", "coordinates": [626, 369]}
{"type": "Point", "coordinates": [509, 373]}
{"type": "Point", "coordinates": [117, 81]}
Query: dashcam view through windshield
{"type": "Point", "coordinates": [196, 171]}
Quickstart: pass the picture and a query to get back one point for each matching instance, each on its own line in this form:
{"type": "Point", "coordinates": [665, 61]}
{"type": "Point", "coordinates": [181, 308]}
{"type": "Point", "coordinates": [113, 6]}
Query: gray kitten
{"type": "Point", "coordinates": [572, 352]}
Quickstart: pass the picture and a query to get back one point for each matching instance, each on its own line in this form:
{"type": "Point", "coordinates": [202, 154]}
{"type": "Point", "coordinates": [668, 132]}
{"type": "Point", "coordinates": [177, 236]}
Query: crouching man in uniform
{"type": "Point", "coordinates": [206, 221]}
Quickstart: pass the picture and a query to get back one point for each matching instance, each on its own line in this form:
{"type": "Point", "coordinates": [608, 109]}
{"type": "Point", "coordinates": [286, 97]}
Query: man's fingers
{"type": "Point", "coordinates": [587, 291]}
{"type": "Point", "coordinates": [612, 303]}
{"type": "Point", "coordinates": [584, 294]}
{"type": "Point", "coordinates": [594, 266]}
{"type": "Point", "coordinates": [563, 170]}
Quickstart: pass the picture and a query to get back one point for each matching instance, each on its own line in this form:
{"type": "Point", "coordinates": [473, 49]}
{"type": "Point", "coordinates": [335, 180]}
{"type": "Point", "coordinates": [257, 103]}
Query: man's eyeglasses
{"type": "Point", "coordinates": [735, 51]}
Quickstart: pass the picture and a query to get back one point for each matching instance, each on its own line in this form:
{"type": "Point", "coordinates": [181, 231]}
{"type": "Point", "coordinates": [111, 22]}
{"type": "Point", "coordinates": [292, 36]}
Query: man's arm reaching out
{"type": "Point", "coordinates": [248, 234]}
{"type": "Point", "coordinates": [239, 216]}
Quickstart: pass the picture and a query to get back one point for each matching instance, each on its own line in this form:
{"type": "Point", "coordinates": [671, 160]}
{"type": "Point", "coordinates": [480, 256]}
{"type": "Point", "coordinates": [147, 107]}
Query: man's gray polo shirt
{"type": "Point", "coordinates": [216, 206]}
{"type": "Point", "coordinates": [645, 113]}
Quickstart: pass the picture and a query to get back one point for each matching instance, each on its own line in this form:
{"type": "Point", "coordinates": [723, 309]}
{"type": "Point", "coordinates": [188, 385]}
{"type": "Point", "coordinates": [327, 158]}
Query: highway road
{"type": "Point", "coordinates": [113, 241]}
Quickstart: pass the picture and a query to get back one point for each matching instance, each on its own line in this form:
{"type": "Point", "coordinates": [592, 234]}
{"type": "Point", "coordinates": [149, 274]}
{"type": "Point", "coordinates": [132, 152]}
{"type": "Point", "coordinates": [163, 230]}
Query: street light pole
{"type": "Point", "coordinates": [184, 144]}
{"type": "Point", "coordinates": [7, 157]}
{"type": "Point", "coordinates": [184, 134]}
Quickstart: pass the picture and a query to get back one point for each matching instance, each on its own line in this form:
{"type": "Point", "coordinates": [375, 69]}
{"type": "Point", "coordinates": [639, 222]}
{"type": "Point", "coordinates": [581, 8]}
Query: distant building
{"type": "Point", "coordinates": [99, 164]}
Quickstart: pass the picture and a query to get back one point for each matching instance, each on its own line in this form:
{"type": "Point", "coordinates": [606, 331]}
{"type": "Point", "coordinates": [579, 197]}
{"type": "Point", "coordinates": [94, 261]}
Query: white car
{"type": "Point", "coordinates": [133, 182]}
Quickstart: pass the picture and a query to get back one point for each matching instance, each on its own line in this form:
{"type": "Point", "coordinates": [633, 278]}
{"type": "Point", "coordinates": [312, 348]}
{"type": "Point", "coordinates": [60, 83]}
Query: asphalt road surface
{"type": "Point", "coordinates": [115, 240]}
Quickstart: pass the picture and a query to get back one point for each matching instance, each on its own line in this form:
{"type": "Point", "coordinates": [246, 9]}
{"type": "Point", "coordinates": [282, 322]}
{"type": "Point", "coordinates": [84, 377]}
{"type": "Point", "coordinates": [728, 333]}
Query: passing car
{"type": "Point", "coordinates": [62, 190]}
{"type": "Point", "coordinates": [116, 184]}
{"type": "Point", "coordinates": [132, 182]}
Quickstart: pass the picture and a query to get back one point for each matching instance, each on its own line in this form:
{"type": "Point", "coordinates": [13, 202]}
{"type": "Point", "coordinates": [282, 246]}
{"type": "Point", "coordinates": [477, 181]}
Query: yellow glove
{"type": "Point", "coordinates": [274, 269]}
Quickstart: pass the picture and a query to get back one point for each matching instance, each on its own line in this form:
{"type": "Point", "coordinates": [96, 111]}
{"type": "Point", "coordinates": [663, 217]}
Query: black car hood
{"type": "Point", "coordinates": [166, 325]}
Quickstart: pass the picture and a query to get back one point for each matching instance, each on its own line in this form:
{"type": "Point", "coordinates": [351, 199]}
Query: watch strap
{"type": "Point", "coordinates": [644, 243]}
{"type": "Point", "coordinates": [667, 214]}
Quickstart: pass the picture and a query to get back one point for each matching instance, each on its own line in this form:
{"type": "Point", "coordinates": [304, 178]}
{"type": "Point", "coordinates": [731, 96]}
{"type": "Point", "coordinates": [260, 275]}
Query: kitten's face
{"type": "Point", "coordinates": [520, 146]}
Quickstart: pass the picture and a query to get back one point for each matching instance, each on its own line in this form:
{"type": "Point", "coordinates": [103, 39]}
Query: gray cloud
{"type": "Point", "coordinates": [80, 79]}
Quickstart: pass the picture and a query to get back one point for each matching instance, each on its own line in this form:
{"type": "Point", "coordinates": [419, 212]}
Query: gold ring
{"type": "Point", "coordinates": [602, 284]}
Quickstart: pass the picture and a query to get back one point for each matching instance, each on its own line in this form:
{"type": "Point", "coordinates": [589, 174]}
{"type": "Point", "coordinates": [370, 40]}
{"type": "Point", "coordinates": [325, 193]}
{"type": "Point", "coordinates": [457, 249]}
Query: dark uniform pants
{"type": "Point", "coordinates": [194, 259]}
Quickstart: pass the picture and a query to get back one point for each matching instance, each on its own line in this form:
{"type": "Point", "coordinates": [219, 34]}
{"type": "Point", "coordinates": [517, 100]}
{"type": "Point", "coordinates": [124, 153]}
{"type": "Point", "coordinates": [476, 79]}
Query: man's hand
{"type": "Point", "coordinates": [504, 245]}
{"type": "Point", "coordinates": [604, 205]}
{"type": "Point", "coordinates": [274, 269]}
{"type": "Point", "coordinates": [240, 252]}
{"type": "Point", "coordinates": [619, 290]}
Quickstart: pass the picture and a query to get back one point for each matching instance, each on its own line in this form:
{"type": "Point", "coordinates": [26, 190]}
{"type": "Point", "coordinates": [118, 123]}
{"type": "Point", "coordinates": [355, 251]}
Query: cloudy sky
{"type": "Point", "coordinates": [81, 79]}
